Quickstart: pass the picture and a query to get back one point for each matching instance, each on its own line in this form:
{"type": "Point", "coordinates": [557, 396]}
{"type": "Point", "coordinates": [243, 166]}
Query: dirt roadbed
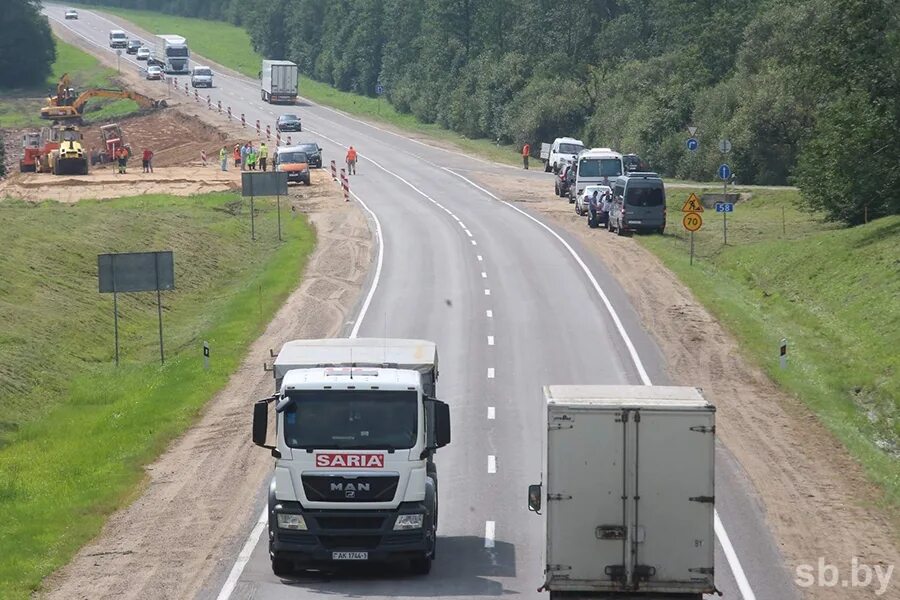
{"type": "Point", "coordinates": [816, 497]}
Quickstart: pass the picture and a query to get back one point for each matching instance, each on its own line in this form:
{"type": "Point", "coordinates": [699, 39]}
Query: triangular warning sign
{"type": "Point", "coordinates": [692, 130]}
{"type": "Point", "coordinates": [693, 204]}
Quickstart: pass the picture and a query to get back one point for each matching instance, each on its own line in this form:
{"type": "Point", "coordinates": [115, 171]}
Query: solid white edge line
{"type": "Point", "coordinates": [490, 372]}
{"type": "Point", "coordinates": [492, 464]}
{"type": "Point", "coordinates": [243, 558]}
{"type": "Point", "coordinates": [736, 569]}
{"type": "Point", "coordinates": [492, 413]}
{"type": "Point", "coordinates": [489, 531]}
{"type": "Point", "coordinates": [365, 307]}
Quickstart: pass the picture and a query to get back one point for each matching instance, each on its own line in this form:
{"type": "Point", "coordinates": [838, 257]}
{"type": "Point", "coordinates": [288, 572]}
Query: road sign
{"type": "Point", "coordinates": [724, 207]}
{"type": "Point", "coordinates": [692, 204]}
{"type": "Point", "coordinates": [379, 89]}
{"type": "Point", "coordinates": [724, 172]}
{"type": "Point", "coordinates": [693, 144]}
{"type": "Point", "coordinates": [692, 221]}
{"type": "Point", "coordinates": [724, 146]}
{"type": "Point", "coordinates": [692, 130]}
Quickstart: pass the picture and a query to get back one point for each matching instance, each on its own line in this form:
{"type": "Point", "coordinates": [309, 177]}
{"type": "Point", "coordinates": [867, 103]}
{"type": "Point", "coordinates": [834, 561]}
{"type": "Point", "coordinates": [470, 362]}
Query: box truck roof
{"type": "Point", "coordinates": [627, 396]}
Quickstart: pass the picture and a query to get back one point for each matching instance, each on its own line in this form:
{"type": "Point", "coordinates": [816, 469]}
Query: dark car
{"type": "Point", "coordinates": [561, 183]}
{"type": "Point", "coordinates": [288, 123]}
{"type": "Point", "coordinates": [313, 153]}
{"type": "Point", "coordinates": [133, 46]}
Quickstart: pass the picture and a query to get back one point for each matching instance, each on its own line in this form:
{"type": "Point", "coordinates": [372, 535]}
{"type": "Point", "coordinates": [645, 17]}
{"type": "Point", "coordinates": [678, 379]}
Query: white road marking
{"type": "Point", "coordinates": [489, 314]}
{"type": "Point", "coordinates": [461, 224]}
{"type": "Point", "coordinates": [480, 258]}
{"type": "Point", "coordinates": [375, 280]}
{"type": "Point", "coordinates": [483, 275]}
{"type": "Point", "coordinates": [490, 372]}
{"type": "Point", "coordinates": [474, 243]}
{"type": "Point", "coordinates": [487, 292]}
{"type": "Point", "coordinates": [468, 233]}
{"type": "Point", "coordinates": [244, 557]}
{"type": "Point", "coordinates": [492, 464]}
{"type": "Point", "coordinates": [736, 569]}
{"type": "Point", "coordinates": [490, 340]}
{"type": "Point", "coordinates": [488, 534]}
{"type": "Point", "coordinates": [454, 216]}
{"type": "Point", "coordinates": [492, 413]}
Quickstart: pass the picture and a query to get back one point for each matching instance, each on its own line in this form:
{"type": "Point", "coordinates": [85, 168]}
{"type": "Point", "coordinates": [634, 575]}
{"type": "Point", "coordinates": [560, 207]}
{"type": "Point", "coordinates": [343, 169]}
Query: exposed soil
{"type": "Point", "coordinates": [816, 496]}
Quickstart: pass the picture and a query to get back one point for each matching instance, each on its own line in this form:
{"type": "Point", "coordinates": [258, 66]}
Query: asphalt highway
{"type": "Point", "coordinates": [513, 305]}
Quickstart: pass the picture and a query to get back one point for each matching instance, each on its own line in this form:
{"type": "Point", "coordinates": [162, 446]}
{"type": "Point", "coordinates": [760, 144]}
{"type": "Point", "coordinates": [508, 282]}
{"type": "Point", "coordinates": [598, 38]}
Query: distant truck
{"type": "Point", "coordinates": [118, 39]}
{"type": "Point", "coordinates": [629, 492]}
{"type": "Point", "coordinates": [279, 81]}
{"type": "Point", "coordinates": [357, 424]}
{"type": "Point", "coordinates": [171, 53]}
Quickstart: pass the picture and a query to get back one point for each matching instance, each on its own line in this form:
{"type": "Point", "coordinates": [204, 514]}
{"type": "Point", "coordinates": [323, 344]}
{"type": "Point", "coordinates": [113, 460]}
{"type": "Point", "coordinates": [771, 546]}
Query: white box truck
{"type": "Point", "coordinates": [171, 53]}
{"type": "Point", "coordinates": [279, 81]}
{"type": "Point", "coordinates": [356, 428]}
{"type": "Point", "coordinates": [628, 486]}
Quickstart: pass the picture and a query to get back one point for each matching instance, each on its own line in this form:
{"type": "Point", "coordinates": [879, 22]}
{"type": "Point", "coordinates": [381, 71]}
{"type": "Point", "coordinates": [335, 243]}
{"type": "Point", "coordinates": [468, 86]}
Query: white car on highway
{"type": "Point", "coordinates": [71, 14]}
{"type": "Point", "coordinates": [154, 72]}
{"type": "Point", "coordinates": [143, 53]}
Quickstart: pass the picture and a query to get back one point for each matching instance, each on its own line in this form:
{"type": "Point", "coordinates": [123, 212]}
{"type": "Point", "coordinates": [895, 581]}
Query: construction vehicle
{"type": "Point", "coordinates": [113, 139]}
{"type": "Point", "coordinates": [63, 108]}
{"type": "Point", "coordinates": [61, 151]}
{"type": "Point", "coordinates": [32, 147]}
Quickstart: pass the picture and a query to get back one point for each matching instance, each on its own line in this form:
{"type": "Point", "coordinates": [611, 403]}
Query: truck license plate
{"type": "Point", "coordinates": [349, 556]}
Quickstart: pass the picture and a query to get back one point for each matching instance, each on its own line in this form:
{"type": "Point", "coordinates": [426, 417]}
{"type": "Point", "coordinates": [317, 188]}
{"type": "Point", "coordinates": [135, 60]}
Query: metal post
{"type": "Point", "coordinates": [278, 203]}
{"type": "Point", "coordinates": [692, 248]}
{"type": "Point", "coordinates": [782, 352]}
{"type": "Point", "coordinates": [162, 356]}
{"type": "Point", "coordinates": [783, 223]}
{"type": "Point", "coordinates": [115, 306]}
{"type": "Point", "coordinates": [206, 356]}
{"type": "Point", "coordinates": [725, 226]}
{"type": "Point", "coordinates": [252, 216]}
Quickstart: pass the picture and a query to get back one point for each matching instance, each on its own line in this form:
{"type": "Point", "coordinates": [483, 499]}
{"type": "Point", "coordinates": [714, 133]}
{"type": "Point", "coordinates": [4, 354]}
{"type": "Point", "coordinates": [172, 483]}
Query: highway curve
{"type": "Point", "coordinates": [512, 305]}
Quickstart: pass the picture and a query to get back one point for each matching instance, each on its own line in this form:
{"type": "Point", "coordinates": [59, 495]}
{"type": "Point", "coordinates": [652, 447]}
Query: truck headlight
{"type": "Point", "coordinates": [405, 522]}
{"type": "Point", "coordinates": [296, 522]}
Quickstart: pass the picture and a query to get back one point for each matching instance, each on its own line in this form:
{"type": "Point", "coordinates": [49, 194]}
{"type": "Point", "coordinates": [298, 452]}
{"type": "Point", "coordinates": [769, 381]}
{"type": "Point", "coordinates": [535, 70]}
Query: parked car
{"type": "Point", "coordinates": [584, 198]}
{"type": "Point", "coordinates": [71, 14]}
{"type": "Point", "coordinates": [154, 72]}
{"type": "Point", "coordinates": [639, 204]}
{"type": "Point", "coordinates": [143, 53]}
{"type": "Point", "coordinates": [561, 181]}
{"type": "Point", "coordinates": [313, 153]}
{"type": "Point", "coordinates": [288, 122]}
{"type": "Point", "coordinates": [293, 161]}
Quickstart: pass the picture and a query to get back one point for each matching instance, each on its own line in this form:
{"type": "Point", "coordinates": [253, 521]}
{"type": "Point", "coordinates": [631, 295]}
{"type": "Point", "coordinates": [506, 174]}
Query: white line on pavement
{"type": "Point", "coordinates": [468, 233]}
{"type": "Point", "coordinates": [243, 558]}
{"type": "Point", "coordinates": [487, 292]}
{"type": "Point", "coordinates": [480, 258]}
{"type": "Point", "coordinates": [483, 275]}
{"type": "Point", "coordinates": [492, 413]}
{"type": "Point", "coordinates": [492, 464]}
{"type": "Point", "coordinates": [490, 340]}
{"type": "Point", "coordinates": [489, 314]}
{"type": "Point", "coordinates": [490, 372]}
{"type": "Point", "coordinates": [736, 568]}
{"type": "Point", "coordinates": [488, 534]}
{"type": "Point", "coordinates": [474, 243]}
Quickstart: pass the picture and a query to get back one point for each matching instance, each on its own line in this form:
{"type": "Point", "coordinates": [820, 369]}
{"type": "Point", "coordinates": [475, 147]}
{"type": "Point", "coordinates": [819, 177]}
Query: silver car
{"type": "Point", "coordinates": [583, 200]}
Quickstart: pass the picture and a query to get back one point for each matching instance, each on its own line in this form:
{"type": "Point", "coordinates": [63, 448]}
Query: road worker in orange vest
{"type": "Point", "coordinates": [351, 161]}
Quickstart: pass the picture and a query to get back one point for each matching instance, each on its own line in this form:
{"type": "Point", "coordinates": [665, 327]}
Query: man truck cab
{"type": "Point", "coordinates": [356, 428]}
{"type": "Point", "coordinates": [597, 166]}
{"type": "Point", "coordinates": [639, 204]}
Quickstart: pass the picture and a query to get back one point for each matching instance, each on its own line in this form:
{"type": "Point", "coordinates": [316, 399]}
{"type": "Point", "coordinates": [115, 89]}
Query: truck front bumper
{"type": "Point", "coordinates": [333, 533]}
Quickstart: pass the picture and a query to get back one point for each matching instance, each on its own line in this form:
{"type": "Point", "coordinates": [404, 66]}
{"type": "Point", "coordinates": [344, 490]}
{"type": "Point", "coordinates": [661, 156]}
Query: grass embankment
{"type": "Point", "coordinates": [834, 294]}
{"type": "Point", "coordinates": [230, 46]}
{"type": "Point", "coordinates": [75, 430]}
{"type": "Point", "coordinates": [22, 108]}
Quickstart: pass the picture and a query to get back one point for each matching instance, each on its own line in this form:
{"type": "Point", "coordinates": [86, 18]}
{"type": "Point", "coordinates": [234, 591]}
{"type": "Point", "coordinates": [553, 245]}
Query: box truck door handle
{"type": "Point", "coordinates": [704, 499]}
{"type": "Point", "coordinates": [704, 429]}
{"type": "Point", "coordinates": [703, 570]}
{"type": "Point", "coordinates": [610, 532]}
{"type": "Point", "coordinates": [558, 497]}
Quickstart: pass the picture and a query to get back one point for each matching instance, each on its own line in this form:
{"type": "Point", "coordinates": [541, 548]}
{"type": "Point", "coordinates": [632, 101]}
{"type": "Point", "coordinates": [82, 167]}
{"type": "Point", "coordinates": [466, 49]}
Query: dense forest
{"type": "Point", "coordinates": [27, 48]}
{"type": "Point", "coordinates": [808, 91]}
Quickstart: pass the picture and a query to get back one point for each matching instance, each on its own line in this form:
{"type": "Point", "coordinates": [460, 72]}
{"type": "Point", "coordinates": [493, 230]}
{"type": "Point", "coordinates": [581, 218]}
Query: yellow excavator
{"type": "Point", "coordinates": [65, 106]}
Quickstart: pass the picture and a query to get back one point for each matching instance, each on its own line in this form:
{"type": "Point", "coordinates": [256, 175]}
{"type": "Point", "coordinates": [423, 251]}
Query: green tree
{"type": "Point", "coordinates": [27, 49]}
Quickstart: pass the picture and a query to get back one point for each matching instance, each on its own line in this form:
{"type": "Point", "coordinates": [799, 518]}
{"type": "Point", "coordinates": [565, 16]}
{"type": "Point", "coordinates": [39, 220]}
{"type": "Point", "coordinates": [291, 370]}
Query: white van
{"type": "Point", "coordinates": [118, 39]}
{"type": "Point", "coordinates": [597, 166]}
{"type": "Point", "coordinates": [201, 76]}
{"type": "Point", "coordinates": [563, 150]}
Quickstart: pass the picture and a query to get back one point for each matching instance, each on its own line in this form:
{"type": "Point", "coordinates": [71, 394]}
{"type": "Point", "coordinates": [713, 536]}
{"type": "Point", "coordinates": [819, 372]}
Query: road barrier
{"type": "Point", "coordinates": [196, 95]}
{"type": "Point", "coordinates": [229, 114]}
{"type": "Point", "coordinates": [203, 157]}
{"type": "Point", "coordinates": [243, 121]}
{"type": "Point", "coordinates": [333, 171]}
{"type": "Point", "coordinates": [219, 103]}
{"type": "Point", "coordinates": [208, 102]}
{"type": "Point", "coordinates": [268, 133]}
{"type": "Point", "coordinates": [345, 185]}
{"type": "Point", "coordinates": [186, 92]}
{"type": "Point", "coordinates": [277, 139]}
{"type": "Point", "coordinates": [258, 133]}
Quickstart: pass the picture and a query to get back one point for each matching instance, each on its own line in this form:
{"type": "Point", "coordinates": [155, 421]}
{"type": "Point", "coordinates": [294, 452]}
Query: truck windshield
{"type": "Point", "coordinates": [292, 157]}
{"type": "Point", "coordinates": [600, 167]}
{"type": "Point", "coordinates": [177, 52]}
{"type": "Point", "coordinates": [570, 148]}
{"type": "Point", "coordinates": [351, 419]}
{"type": "Point", "coordinates": [644, 196]}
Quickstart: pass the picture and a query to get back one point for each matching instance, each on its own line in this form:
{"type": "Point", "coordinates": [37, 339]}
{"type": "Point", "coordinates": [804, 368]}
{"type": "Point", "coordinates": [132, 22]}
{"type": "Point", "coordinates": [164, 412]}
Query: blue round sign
{"type": "Point", "coordinates": [724, 171]}
{"type": "Point", "coordinates": [379, 89]}
{"type": "Point", "coordinates": [693, 144]}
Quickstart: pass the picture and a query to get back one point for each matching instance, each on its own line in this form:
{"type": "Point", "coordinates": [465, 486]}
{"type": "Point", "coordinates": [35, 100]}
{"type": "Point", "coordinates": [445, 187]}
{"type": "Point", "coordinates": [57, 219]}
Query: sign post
{"type": "Point", "coordinates": [118, 56]}
{"type": "Point", "coordinates": [692, 220]}
{"type": "Point", "coordinates": [782, 352]}
{"type": "Point", "coordinates": [267, 183]}
{"type": "Point", "coordinates": [725, 208]}
{"type": "Point", "coordinates": [206, 356]}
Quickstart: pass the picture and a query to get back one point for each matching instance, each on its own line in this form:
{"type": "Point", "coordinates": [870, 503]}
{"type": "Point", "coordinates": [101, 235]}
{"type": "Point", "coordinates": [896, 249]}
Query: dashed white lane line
{"type": "Point", "coordinates": [489, 534]}
{"type": "Point", "coordinates": [492, 464]}
{"type": "Point", "coordinates": [489, 314]}
{"type": "Point", "coordinates": [474, 243]}
{"type": "Point", "coordinates": [461, 224]}
{"type": "Point", "coordinates": [490, 340]}
{"type": "Point", "coordinates": [468, 233]}
{"type": "Point", "coordinates": [492, 413]}
{"type": "Point", "coordinates": [487, 292]}
{"type": "Point", "coordinates": [490, 372]}
{"type": "Point", "coordinates": [483, 275]}
{"type": "Point", "coordinates": [480, 258]}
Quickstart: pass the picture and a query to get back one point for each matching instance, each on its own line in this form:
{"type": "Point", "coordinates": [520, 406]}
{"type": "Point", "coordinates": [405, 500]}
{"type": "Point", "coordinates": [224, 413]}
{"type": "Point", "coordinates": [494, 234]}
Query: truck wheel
{"type": "Point", "coordinates": [281, 567]}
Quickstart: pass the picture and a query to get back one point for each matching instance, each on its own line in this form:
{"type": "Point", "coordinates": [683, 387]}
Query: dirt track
{"type": "Point", "coordinates": [816, 496]}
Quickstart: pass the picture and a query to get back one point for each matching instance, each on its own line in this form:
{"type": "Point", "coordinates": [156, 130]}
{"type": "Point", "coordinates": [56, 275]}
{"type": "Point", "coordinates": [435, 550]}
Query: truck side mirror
{"type": "Point", "coordinates": [442, 424]}
{"type": "Point", "coordinates": [534, 498]}
{"type": "Point", "coordinates": [260, 422]}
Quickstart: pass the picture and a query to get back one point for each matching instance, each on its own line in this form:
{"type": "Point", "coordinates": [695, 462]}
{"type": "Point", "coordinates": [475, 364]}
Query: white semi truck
{"type": "Point", "coordinates": [171, 53]}
{"type": "Point", "coordinates": [356, 428]}
{"type": "Point", "coordinates": [279, 81]}
{"type": "Point", "coordinates": [628, 486]}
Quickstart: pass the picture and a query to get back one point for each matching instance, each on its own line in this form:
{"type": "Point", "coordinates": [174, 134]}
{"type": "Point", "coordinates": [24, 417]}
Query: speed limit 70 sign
{"type": "Point", "coordinates": [692, 221]}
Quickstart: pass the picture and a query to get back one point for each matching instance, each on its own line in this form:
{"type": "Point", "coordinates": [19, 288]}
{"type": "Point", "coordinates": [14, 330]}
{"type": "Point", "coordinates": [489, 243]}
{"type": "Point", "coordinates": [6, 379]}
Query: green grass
{"type": "Point", "coordinates": [21, 108]}
{"type": "Point", "coordinates": [74, 429]}
{"type": "Point", "coordinates": [230, 46]}
{"type": "Point", "coordinates": [833, 293]}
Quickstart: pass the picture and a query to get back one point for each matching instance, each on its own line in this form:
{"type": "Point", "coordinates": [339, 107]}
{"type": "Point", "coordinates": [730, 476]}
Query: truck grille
{"type": "Point", "coordinates": [350, 522]}
{"type": "Point", "coordinates": [339, 488]}
{"type": "Point", "coordinates": [350, 542]}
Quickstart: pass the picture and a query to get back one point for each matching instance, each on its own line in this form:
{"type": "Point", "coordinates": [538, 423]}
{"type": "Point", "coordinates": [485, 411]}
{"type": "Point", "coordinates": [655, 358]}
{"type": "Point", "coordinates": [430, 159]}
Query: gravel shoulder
{"type": "Point", "coordinates": [816, 498]}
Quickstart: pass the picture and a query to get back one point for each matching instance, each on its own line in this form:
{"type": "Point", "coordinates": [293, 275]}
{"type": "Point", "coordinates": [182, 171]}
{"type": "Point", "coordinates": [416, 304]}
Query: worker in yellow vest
{"type": "Point", "coordinates": [263, 155]}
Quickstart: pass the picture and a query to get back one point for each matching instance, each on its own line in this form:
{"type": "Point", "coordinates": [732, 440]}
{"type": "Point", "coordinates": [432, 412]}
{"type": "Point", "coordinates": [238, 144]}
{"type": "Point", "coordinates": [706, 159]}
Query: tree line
{"type": "Point", "coordinates": [27, 49]}
{"type": "Point", "coordinates": [807, 91]}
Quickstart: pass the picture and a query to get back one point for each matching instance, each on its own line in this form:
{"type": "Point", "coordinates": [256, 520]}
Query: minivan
{"type": "Point", "coordinates": [293, 161]}
{"type": "Point", "coordinates": [639, 204]}
{"type": "Point", "coordinates": [118, 39]}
